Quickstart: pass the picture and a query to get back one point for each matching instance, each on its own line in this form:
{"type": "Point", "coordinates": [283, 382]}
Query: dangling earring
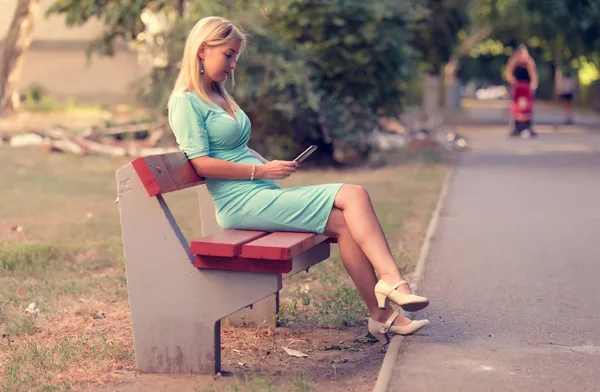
{"type": "Point", "coordinates": [201, 68]}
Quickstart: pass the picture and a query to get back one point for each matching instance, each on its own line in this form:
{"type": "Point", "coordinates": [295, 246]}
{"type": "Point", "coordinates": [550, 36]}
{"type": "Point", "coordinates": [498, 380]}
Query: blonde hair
{"type": "Point", "coordinates": [212, 31]}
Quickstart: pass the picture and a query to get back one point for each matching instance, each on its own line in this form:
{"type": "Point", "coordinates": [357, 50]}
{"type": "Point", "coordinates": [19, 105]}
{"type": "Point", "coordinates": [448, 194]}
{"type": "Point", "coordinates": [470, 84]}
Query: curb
{"type": "Point", "coordinates": [391, 356]}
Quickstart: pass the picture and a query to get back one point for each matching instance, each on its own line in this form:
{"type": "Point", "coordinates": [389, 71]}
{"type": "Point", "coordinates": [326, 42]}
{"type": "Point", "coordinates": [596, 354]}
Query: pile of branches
{"type": "Point", "coordinates": [117, 141]}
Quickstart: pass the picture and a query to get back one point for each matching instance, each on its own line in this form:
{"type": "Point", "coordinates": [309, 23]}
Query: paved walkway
{"type": "Point", "coordinates": [514, 272]}
{"type": "Point", "coordinates": [496, 112]}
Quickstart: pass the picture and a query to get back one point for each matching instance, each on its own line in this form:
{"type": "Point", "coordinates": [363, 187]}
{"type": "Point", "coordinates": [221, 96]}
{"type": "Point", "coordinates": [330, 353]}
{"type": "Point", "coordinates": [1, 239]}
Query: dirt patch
{"type": "Point", "coordinates": [90, 347]}
{"type": "Point", "coordinates": [338, 360]}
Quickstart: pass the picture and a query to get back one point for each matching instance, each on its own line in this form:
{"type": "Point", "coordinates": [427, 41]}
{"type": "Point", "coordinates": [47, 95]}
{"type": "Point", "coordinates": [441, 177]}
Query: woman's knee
{"type": "Point", "coordinates": [350, 193]}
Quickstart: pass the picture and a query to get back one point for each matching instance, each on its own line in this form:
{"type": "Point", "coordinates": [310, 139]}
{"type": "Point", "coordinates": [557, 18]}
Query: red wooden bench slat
{"type": "Point", "coordinates": [227, 243]}
{"type": "Point", "coordinates": [166, 172]}
{"type": "Point", "coordinates": [281, 245]}
{"type": "Point", "coordinates": [243, 264]}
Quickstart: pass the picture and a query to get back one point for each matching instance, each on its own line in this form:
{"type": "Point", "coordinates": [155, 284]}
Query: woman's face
{"type": "Point", "coordinates": [220, 60]}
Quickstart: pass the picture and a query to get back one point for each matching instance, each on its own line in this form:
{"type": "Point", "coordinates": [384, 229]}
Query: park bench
{"type": "Point", "coordinates": [180, 292]}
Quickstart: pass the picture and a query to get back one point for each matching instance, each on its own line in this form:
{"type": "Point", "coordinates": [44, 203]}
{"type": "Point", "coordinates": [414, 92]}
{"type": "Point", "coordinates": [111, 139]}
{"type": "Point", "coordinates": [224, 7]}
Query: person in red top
{"type": "Point", "coordinates": [521, 71]}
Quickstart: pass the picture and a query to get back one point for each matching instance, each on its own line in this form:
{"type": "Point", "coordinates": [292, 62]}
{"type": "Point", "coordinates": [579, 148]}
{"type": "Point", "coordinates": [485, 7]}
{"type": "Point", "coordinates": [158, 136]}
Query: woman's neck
{"type": "Point", "coordinates": [209, 86]}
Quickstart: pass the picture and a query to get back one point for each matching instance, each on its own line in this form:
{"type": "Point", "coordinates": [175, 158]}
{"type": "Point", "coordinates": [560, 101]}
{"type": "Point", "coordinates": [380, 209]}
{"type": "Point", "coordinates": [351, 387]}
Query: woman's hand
{"type": "Point", "coordinates": [276, 170]}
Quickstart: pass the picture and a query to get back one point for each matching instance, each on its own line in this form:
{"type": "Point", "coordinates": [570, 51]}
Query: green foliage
{"type": "Point", "coordinates": [556, 32]}
{"type": "Point", "coordinates": [316, 72]}
{"type": "Point", "coordinates": [357, 58]}
{"type": "Point", "coordinates": [121, 18]}
{"type": "Point", "coordinates": [153, 90]}
{"type": "Point", "coordinates": [31, 259]}
{"type": "Point", "coordinates": [573, 25]}
{"type": "Point", "coordinates": [358, 51]}
{"type": "Point", "coordinates": [437, 33]}
{"type": "Point", "coordinates": [504, 16]}
{"type": "Point", "coordinates": [590, 94]}
{"type": "Point", "coordinates": [35, 92]}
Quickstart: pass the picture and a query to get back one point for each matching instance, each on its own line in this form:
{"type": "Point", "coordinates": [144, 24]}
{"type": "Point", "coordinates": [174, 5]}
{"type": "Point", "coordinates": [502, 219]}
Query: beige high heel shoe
{"type": "Point", "coordinates": [408, 302]}
{"type": "Point", "coordinates": [381, 330]}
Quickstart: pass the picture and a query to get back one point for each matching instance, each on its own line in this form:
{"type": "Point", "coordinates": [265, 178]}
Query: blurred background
{"type": "Point", "coordinates": [331, 73]}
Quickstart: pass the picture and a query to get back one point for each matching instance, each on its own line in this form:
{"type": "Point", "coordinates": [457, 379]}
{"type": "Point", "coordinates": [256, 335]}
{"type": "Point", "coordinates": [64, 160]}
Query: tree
{"type": "Point", "coordinates": [121, 19]}
{"type": "Point", "coordinates": [487, 18]}
{"type": "Point", "coordinates": [436, 38]}
{"type": "Point", "coordinates": [555, 30]}
{"type": "Point", "coordinates": [358, 57]}
{"type": "Point", "coordinates": [16, 44]}
{"type": "Point", "coordinates": [565, 29]}
{"type": "Point", "coordinates": [317, 73]}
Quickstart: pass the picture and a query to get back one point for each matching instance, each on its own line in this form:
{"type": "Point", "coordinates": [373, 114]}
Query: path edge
{"type": "Point", "coordinates": [391, 356]}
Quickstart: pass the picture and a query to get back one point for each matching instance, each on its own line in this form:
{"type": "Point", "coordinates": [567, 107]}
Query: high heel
{"type": "Point", "coordinates": [381, 330]}
{"type": "Point", "coordinates": [408, 302]}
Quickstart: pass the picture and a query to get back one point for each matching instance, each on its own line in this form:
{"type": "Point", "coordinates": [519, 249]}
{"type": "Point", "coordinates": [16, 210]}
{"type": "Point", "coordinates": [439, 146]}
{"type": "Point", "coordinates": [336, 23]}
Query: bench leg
{"type": "Point", "coordinates": [263, 312]}
{"type": "Point", "coordinates": [175, 308]}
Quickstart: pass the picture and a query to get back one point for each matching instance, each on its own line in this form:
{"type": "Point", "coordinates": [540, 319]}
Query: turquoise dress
{"type": "Point", "coordinates": [203, 128]}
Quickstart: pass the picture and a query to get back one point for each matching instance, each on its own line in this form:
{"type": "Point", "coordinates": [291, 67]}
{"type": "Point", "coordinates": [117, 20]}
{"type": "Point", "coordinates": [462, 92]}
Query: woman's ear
{"type": "Point", "coordinates": [202, 51]}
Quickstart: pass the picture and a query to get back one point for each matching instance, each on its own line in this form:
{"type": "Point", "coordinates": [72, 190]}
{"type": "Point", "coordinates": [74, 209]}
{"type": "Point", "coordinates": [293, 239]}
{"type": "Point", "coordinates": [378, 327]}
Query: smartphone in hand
{"type": "Point", "coordinates": [305, 154]}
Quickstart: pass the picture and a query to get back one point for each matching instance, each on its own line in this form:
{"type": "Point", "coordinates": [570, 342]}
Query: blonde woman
{"type": "Point", "coordinates": [213, 131]}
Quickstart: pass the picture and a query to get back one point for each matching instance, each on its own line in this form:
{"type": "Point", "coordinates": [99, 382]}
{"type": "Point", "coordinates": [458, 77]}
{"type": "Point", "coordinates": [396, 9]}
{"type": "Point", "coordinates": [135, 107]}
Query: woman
{"type": "Point", "coordinates": [213, 131]}
{"type": "Point", "coordinates": [521, 69]}
{"type": "Point", "coordinates": [565, 94]}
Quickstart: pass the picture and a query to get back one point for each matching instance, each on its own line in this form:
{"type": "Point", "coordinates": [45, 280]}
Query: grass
{"type": "Point", "coordinates": [258, 383]}
{"type": "Point", "coordinates": [60, 248]}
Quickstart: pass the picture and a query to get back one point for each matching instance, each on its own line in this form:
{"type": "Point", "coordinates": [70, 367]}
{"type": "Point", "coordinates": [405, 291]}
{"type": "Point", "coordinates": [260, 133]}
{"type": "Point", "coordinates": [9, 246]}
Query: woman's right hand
{"type": "Point", "coordinates": [276, 170]}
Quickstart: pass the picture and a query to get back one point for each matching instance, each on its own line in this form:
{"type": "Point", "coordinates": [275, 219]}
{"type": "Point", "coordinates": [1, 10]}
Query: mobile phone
{"type": "Point", "coordinates": [305, 154]}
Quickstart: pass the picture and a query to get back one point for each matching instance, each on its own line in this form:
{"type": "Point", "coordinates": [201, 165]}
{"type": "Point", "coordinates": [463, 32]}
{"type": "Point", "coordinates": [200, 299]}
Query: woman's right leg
{"type": "Point", "coordinates": [363, 225]}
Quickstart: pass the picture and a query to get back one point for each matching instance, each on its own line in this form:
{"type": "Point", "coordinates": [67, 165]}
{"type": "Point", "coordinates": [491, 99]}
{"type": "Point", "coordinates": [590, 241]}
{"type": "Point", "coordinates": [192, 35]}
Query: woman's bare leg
{"type": "Point", "coordinates": [360, 218]}
{"type": "Point", "coordinates": [569, 110]}
{"type": "Point", "coordinates": [358, 266]}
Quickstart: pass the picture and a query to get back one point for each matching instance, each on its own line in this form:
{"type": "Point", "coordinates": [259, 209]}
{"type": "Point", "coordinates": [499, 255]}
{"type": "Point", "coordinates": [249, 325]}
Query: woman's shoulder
{"type": "Point", "coordinates": [188, 99]}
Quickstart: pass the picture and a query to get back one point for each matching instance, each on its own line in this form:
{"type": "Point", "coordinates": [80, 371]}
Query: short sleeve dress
{"type": "Point", "coordinates": [203, 128]}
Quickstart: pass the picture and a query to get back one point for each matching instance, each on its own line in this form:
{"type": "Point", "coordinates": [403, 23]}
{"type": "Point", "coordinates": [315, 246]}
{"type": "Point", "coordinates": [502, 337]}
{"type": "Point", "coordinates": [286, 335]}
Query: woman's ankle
{"type": "Point", "coordinates": [391, 277]}
{"type": "Point", "coordinates": [382, 316]}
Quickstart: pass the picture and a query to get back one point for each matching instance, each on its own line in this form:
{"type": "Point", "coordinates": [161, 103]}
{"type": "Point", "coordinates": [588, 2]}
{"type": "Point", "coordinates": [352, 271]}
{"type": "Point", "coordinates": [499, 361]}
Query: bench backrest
{"type": "Point", "coordinates": [165, 173]}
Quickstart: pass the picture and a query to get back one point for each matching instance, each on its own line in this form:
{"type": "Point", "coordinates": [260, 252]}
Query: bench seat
{"type": "Point", "coordinates": [252, 251]}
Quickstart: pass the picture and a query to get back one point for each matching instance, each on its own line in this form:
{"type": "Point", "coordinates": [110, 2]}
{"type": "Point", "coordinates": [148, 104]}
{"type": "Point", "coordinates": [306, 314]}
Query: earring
{"type": "Point", "coordinates": [201, 68]}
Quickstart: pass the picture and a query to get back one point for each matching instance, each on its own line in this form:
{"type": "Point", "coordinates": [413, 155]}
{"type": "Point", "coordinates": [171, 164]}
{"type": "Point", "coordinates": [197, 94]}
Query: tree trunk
{"type": "Point", "coordinates": [451, 98]}
{"type": "Point", "coordinates": [182, 8]}
{"type": "Point", "coordinates": [15, 46]}
{"type": "Point", "coordinates": [431, 101]}
{"type": "Point", "coordinates": [451, 68]}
